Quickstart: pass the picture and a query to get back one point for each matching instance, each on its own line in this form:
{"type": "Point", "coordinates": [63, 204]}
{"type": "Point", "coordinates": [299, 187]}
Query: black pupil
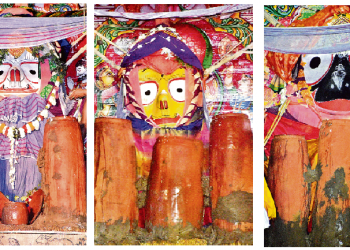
{"type": "Point", "coordinates": [148, 92]}
{"type": "Point", "coordinates": [315, 62]}
{"type": "Point", "coordinates": [32, 72]}
{"type": "Point", "coordinates": [1, 72]}
{"type": "Point", "coordinates": [179, 90]}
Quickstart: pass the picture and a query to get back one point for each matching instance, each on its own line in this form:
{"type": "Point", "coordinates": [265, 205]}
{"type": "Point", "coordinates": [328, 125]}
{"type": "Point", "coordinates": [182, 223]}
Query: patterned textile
{"type": "Point", "coordinates": [16, 111]}
{"type": "Point", "coordinates": [184, 14]}
{"type": "Point", "coordinates": [27, 177]}
{"type": "Point", "coordinates": [28, 31]}
{"type": "Point", "coordinates": [157, 42]}
{"type": "Point", "coordinates": [319, 34]}
{"type": "Point", "coordinates": [282, 64]}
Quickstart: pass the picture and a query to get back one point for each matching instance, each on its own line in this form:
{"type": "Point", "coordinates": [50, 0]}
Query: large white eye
{"type": "Point", "coordinates": [4, 69]}
{"type": "Point", "coordinates": [177, 89]}
{"type": "Point", "coordinates": [316, 67]}
{"type": "Point", "coordinates": [30, 71]}
{"type": "Point", "coordinates": [149, 92]}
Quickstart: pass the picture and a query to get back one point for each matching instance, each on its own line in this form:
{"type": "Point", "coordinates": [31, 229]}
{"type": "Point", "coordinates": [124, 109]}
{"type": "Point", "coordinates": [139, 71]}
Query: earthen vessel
{"type": "Point", "coordinates": [64, 180]}
{"type": "Point", "coordinates": [175, 194]}
{"type": "Point", "coordinates": [15, 213]}
{"type": "Point", "coordinates": [231, 170]}
{"type": "Point", "coordinates": [115, 171]}
{"type": "Point", "coordinates": [334, 157]}
{"type": "Point", "coordinates": [287, 166]}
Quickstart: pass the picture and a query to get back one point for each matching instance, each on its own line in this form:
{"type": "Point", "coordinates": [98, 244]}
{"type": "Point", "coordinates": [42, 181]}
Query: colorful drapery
{"type": "Point", "coordinates": [16, 111]}
{"type": "Point", "coordinates": [28, 31]}
{"type": "Point", "coordinates": [182, 14]}
{"type": "Point", "coordinates": [308, 40]}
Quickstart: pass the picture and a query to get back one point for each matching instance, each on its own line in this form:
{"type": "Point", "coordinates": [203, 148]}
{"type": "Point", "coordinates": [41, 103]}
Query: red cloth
{"type": "Point", "coordinates": [282, 64]}
{"type": "Point", "coordinates": [207, 220]}
{"type": "Point", "coordinates": [142, 214]}
{"type": "Point", "coordinates": [288, 127]}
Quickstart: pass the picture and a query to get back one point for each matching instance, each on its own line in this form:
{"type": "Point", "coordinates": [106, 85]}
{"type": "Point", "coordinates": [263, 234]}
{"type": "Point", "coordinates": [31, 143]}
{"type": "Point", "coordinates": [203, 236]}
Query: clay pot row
{"type": "Point", "coordinates": [288, 165]}
{"type": "Point", "coordinates": [175, 192]}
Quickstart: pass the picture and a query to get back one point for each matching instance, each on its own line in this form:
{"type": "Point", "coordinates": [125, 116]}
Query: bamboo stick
{"type": "Point", "coordinates": [76, 55]}
{"type": "Point", "coordinates": [109, 42]}
{"type": "Point", "coordinates": [271, 19]}
{"type": "Point", "coordinates": [99, 54]}
{"type": "Point", "coordinates": [227, 59]}
{"type": "Point", "coordinates": [79, 39]}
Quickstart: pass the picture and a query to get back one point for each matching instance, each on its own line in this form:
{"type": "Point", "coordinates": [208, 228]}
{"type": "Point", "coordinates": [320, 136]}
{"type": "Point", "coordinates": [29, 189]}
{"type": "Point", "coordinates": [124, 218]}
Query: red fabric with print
{"type": "Point", "coordinates": [282, 64]}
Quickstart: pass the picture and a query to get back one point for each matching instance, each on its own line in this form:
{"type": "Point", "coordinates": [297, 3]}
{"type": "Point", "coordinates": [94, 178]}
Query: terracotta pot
{"type": "Point", "coordinates": [231, 169]}
{"type": "Point", "coordinates": [3, 200]}
{"type": "Point", "coordinates": [15, 213]}
{"type": "Point", "coordinates": [35, 205]}
{"type": "Point", "coordinates": [287, 165]}
{"type": "Point", "coordinates": [64, 181]}
{"type": "Point", "coordinates": [175, 194]}
{"type": "Point", "coordinates": [335, 159]}
{"type": "Point", "coordinates": [115, 171]}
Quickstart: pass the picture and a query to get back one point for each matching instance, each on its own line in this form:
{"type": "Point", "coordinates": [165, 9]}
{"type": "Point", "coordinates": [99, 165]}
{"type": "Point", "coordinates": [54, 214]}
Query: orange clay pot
{"type": "Point", "coordinates": [287, 165]}
{"type": "Point", "coordinates": [175, 193]}
{"type": "Point", "coordinates": [335, 159]}
{"type": "Point", "coordinates": [3, 200]}
{"type": "Point", "coordinates": [15, 213]}
{"type": "Point", "coordinates": [35, 205]}
{"type": "Point", "coordinates": [231, 162]}
{"type": "Point", "coordinates": [65, 173]}
{"type": "Point", "coordinates": [115, 171]}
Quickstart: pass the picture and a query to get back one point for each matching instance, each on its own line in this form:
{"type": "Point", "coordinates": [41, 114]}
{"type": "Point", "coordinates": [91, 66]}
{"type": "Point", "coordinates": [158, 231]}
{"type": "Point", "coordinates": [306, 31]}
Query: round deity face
{"type": "Point", "coordinates": [19, 74]}
{"type": "Point", "coordinates": [163, 96]}
{"type": "Point", "coordinates": [329, 78]}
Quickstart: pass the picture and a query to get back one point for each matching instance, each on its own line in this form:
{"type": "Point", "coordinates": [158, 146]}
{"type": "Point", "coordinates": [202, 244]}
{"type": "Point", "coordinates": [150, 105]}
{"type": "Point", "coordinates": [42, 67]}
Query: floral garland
{"type": "Point", "coordinates": [14, 133]}
{"type": "Point", "coordinates": [28, 197]}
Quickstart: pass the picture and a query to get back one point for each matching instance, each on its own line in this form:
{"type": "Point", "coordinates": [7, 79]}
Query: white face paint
{"type": "Point", "coordinates": [19, 75]}
{"type": "Point", "coordinates": [316, 66]}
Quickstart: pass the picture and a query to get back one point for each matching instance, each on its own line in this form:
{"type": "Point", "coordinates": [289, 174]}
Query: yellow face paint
{"type": "Point", "coordinates": [163, 96]}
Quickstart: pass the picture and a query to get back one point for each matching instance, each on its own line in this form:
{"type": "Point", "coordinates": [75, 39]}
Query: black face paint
{"type": "Point", "coordinates": [336, 83]}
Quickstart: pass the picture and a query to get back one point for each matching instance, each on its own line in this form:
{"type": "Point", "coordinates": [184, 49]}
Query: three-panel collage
{"type": "Point", "coordinates": [132, 125]}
